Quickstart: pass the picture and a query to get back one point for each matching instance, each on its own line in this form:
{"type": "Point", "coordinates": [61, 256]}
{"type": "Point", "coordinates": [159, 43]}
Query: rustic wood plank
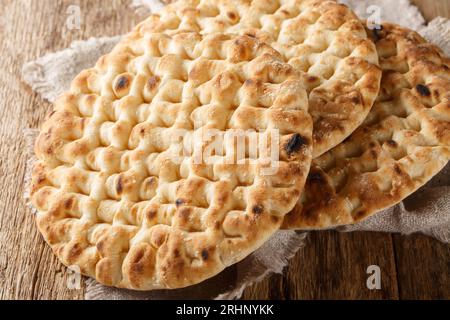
{"type": "Point", "coordinates": [29, 29]}
{"type": "Point", "coordinates": [433, 8]}
{"type": "Point", "coordinates": [423, 267]}
{"type": "Point", "coordinates": [21, 248]}
{"type": "Point", "coordinates": [338, 269]}
{"type": "Point", "coordinates": [333, 266]}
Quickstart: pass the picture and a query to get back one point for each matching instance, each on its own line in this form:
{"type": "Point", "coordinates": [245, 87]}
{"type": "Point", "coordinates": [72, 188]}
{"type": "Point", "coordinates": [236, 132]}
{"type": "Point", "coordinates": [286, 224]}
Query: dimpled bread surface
{"type": "Point", "coordinates": [402, 144]}
{"type": "Point", "coordinates": [111, 196]}
{"type": "Point", "coordinates": [323, 40]}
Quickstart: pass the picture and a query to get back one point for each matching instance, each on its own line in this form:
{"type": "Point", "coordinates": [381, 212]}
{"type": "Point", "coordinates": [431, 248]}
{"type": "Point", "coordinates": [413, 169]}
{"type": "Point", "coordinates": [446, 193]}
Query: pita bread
{"type": "Point", "coordinates": [403, 143]}
{"type": "Point", "coordinates": [115, 196]}
{"type": "Point", "coordinates": [323, 40]}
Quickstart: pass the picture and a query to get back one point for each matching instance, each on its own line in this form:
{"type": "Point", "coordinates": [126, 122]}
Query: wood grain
{"type": "Point", "coordinates": [432, 8]}
{"type": "Point", "coordinates": [331, 265]}
{"type": "Point", "coordinates": [423, 268]}
{"type": "Point", "coordinates": [29, 29]}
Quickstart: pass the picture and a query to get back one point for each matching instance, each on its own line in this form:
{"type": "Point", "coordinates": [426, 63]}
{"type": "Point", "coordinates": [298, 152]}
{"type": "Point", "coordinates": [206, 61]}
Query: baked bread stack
{"type": "Point", "coordinates": [213, 124]}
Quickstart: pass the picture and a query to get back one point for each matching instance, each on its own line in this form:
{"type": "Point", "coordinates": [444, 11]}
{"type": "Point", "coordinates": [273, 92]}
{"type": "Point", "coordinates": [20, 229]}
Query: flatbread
{"type": "Point", "coordinates": [116, 196]}
{"type": "Point", "coordinates": [324, 40]}
{"type": "Point", "coordinates": [403, 143]}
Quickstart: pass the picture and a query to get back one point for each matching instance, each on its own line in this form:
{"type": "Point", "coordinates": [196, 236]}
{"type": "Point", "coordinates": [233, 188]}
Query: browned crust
{"type": "Point", "coordinates": [110, 197]}
{"type": "Point", "coordinates": [403, 143]}
{"type": "Point", "coordinates": [324, 40]}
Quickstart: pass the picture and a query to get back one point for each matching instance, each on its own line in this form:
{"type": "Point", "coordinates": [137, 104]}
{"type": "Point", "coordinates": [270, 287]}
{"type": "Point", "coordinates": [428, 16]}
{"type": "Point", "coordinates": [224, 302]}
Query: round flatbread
{"type": "Point", "coordinates": [403, 143]}
{"type": "Point", "coordinates": [120, 194]}
{"type": "Point", "coordinates": [323, 40]}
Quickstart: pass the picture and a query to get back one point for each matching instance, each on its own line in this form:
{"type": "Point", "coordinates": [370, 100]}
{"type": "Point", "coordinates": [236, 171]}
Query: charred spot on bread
{"type": "Point", "coordinates": [295, 143]}
{"type": "Point", "coordinates": [423, 90]}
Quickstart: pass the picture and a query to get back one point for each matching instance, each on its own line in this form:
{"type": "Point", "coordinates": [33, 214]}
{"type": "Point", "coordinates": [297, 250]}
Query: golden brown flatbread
{"type": "Point", "coordinates": [115, 196]}
{"type": "Point", "coordinates": [323, 40]}
{"type": "Point", "coordinates": [403, 143]}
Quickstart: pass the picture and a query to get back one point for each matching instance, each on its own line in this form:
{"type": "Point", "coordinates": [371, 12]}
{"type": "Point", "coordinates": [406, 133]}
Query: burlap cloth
{"type": "Point", "coordinates": [426, 211]}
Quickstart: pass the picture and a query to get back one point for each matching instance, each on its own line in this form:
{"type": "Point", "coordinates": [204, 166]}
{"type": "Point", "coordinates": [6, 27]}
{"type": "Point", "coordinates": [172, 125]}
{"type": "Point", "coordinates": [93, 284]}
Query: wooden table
{"type": "Point", "coordinates": [331, 265]}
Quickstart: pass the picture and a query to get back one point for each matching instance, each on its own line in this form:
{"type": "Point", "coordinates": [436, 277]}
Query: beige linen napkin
{"type": "Point", "coordinates": [426, 211]}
